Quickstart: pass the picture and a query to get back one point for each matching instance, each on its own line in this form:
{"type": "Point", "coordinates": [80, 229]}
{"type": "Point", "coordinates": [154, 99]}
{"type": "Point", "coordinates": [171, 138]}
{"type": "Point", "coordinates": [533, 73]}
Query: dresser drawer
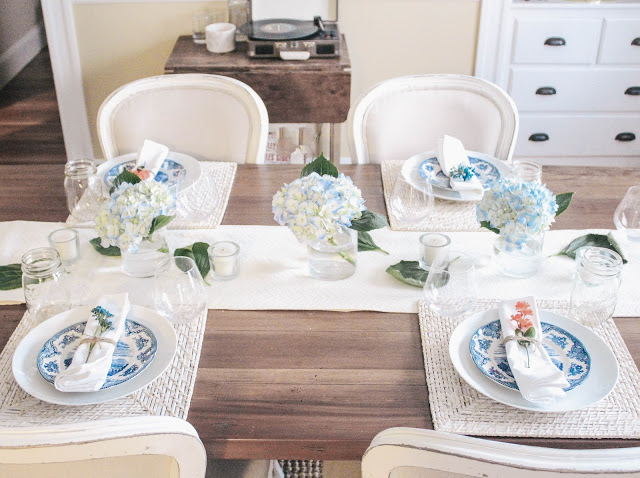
{"type": "Point", "coordinates": [580, 89]}
{"type": "Point", "coordinates": [620, 41]}
{"type": "Point", "coordinates": [556, 41]}
{"type": "Point", "coordinates": [567, 135]}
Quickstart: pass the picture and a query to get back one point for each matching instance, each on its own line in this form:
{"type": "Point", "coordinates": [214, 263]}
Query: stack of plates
{"type": "Point", "coordinates": [425, 167]}
{"type": "Point", "coordinates": [588, 363]}
{"type": "Point", "coordinates": [144, 351]}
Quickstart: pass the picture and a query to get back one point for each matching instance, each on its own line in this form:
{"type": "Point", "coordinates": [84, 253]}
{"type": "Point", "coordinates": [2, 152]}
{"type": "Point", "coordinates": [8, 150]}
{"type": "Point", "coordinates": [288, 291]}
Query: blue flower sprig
{"type": "Point", "coordinates": [466, 173]}
{"type": "Point", "coordinates": [101, 315]}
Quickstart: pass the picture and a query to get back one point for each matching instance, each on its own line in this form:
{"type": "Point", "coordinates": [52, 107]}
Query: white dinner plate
{"type": "Point", "coordinates": [491, 169]}
{"type": "Point", "coordinates": [177, 169]}
{"type": "Point", "coordinates": [25, 358]}
{"type": "Point", "coordinates": [598, 384]}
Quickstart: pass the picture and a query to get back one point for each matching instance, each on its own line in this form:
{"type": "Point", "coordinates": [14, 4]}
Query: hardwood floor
{"type": "Point", "coordinates": [30, 128]}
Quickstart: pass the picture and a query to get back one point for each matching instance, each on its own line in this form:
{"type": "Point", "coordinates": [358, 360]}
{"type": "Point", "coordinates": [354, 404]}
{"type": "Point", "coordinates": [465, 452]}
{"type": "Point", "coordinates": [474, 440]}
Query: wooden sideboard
{"type": "Point", "coordinates": [310, 91]}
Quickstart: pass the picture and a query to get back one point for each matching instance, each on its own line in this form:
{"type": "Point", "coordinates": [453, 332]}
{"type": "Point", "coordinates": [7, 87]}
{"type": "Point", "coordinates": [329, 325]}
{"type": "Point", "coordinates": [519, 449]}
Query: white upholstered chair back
{"type": "Point", "coordinates": [415, 453]}
{"type": "Point", "coordinates": [209, 117]}
{"type": "Point", "coordinates": [131, 447]}
{"type": "Point", "coordinates": [404, 116]}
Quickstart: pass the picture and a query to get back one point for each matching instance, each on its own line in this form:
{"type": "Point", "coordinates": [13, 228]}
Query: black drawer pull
{"type": "Point", "coordinates": [625, 137]}
{"type": "Point", "coordinates": [538, 137]}
{"type": "Point", "coordinates": [633, 91]}
{"type": "Point", "coordinates": [546, 91]}
{"type": "Point", "coordinates": [636, 41]}
{"type": "Point", "coordinates": [559, 41]}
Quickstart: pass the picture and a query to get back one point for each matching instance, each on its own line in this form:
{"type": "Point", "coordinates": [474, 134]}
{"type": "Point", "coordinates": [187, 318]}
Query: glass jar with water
{"type": "Point", "coordinates": [44, 283]}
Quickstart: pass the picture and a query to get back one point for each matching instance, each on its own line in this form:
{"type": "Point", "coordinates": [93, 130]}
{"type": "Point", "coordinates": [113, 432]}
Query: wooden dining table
{"type": "Point", "coordinates": [315, 384]}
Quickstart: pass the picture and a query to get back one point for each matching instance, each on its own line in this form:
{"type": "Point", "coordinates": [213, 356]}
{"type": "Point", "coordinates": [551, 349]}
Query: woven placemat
{"type": "Point", "coordinates": [447, 216]}
{"type": "Point", "coordinates": [222, 174]}
{"type": "Point", "coordinates": [458, 408]}
{"type": "Point", "coordinates": [169, 394]}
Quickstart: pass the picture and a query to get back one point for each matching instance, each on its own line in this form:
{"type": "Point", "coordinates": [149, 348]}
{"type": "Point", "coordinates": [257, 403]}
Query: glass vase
{"type": "Point", "coordinates": [518, 262]}
{"type": "Point", "coordinates": [334, 258]}
{"type": "Point", "coordinates": [143, 262]}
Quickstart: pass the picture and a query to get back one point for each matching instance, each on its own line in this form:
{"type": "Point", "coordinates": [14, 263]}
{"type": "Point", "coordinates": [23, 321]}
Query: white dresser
{"type": "Point", "coordinates": [573, 70]}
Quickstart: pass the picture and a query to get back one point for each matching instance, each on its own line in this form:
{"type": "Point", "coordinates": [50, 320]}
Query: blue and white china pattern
{"type": "Point", "coordinates": [170, 173]}
{"type": "Point", "coordinates": [566, 352]}
{"type": "Point", "coordinates": [486, 172]}
{"type": "Point", "coordinates": [136, 349]}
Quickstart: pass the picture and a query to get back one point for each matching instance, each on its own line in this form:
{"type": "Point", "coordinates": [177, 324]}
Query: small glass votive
{"type": "Point", "coordinates": [224, 260]}
{"type": "Point", "coordinates": [527, 170]}
{"type": "Point", "coordinates": [66, 242]}
{"type": "Point", "coordinates": [432, 245]}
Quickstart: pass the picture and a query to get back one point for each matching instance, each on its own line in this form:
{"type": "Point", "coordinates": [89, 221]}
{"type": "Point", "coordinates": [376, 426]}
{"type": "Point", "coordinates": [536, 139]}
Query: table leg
{"type": "Point", "coordinates": [334, 142]}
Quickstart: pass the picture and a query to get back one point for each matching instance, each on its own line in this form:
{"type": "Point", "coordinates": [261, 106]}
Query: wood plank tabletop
{"type": "Point", "coordinates": [315, 384]}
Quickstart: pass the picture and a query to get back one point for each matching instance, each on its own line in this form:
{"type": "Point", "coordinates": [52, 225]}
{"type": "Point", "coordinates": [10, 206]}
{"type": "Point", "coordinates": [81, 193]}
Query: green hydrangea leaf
{"type": "Point", "coordinates": [160, 221]}
{"type": "Point", "coordinates": [112, 251]}
{"type": "Point", "coordinates": [366, 243]}
{"type": "Point", "coordinates": [594, 240]}
{"type": "Point", "coordinates": [563, 200]}
{"type": "Point", "coordinates": [320, 165]}
{"type": "Point", "coordinates": [10, 277]}
{"type": "Point", "coordinates": [409, 272]}
{"type": "Point", "coordinates": [125, 176]}
{"type": "Point", "coordinates": [487, 225]}
{"type": "Point", "coordinates": [199, 252]}
{"type": "Point", "coordinates": [369, 221]}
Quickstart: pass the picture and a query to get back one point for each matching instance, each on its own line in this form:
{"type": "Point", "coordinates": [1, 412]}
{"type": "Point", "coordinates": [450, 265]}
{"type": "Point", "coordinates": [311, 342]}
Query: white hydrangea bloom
{"type": "Point", "coordinates": [126, 219]}
{"type": "Point", "coordinates": [518, 210]}
{"type": "Point", "coordinates": [315, 206]}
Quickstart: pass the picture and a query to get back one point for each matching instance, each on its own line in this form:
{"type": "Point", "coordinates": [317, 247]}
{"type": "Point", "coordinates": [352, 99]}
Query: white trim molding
{"type": "Point", "coordinates": [21, 53]}
{"type": "Point", "coordinates": [67, 75]}
{"type": "Point", "coordinates": [489, 49]}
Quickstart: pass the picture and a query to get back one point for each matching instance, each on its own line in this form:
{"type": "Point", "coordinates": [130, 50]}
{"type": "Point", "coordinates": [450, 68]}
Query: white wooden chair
{"type": "Point", "coordinates": [159, 447]}
{"type": "Point", "coordinates": [404, 116]}
{"type": "Point", "coordinates": [209, 117]}
{"type": "Point", "coordinates": [415, 453]}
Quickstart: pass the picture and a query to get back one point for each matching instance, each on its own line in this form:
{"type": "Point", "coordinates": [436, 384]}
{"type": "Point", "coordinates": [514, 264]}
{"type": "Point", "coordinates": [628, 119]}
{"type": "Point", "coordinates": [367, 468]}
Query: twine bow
{"type": "Point", "coordinates": [520, 338]}
{"type": "Point", "coordinates": [93, 339]}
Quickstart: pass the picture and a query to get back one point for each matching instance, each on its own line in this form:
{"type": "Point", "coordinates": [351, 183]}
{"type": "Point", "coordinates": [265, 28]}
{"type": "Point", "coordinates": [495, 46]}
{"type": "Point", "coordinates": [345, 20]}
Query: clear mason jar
{"type": "Point", "coordinates": [44, 283]}
{"type": "Point", "coordinates": [81, 186]}
{"type": "Point", "coordinates": [527, 170]}
{"type": "Point", "coordinates": [239, 14]}
{"type": "Point", "coordinates": [596, 280]}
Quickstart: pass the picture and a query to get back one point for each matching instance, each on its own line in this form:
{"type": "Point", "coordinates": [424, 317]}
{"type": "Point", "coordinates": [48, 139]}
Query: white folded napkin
{"type": "Point", "coordinates": [450, 155]}
{"type": "Point", "coordinates": [538, 379]}
{"type": "Point", "coordinates": [151, 156]}
{"type": "Point", "coordinates": [88, 371]}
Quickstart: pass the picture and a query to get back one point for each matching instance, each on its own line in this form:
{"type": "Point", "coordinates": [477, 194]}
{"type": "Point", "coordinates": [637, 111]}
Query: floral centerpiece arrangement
{"type": "Point", "coordinates": [520, 212]}
{"type": "Point", "coordinates": [127, 222]}
{"type": "Point", "coordinates": [324, 208]}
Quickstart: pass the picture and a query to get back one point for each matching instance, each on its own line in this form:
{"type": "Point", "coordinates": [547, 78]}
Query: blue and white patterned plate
{"type": "Point", "coordinates": [564, 349]}
{"type": "Point", "coordinates": [486, 172]}
{"type": "Point", "coordinates": [424, 167]}
{"type": "Point", "coordinates": [136, 349]}
{"type": "Point", "coordinates": [178, 169]}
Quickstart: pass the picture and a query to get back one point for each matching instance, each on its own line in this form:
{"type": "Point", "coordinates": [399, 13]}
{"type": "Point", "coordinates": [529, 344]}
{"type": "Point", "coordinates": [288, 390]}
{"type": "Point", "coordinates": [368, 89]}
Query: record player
{"type": "Point", "coordinates": [293, 30]}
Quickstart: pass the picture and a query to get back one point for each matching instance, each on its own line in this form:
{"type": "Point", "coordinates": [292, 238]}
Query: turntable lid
{"type": "Point", "coordinates": [294, 9]}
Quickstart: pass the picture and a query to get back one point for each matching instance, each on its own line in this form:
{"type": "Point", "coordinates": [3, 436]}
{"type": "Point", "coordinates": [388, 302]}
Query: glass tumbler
{"type": "Point", "coordinates": [627, 215]}
{"type": "Point", "coordinates": [178, 290]}
{"type": "Point", "coordinates": [408, 204]}
{"type": "Point", "coordinates": [595, 285]}
{"type": "Point", "coordinates": [82, 188]}
{"type": "Point", "coordinates": [44, 283]}
{"type": "Point", "coordinates": [200, 20]}
{"type": "Point", "coordinates": [451, 287]}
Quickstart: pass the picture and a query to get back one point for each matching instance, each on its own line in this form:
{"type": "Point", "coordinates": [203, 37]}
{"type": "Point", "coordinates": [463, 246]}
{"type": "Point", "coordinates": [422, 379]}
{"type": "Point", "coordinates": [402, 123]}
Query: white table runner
{"type": "Point", "coordinates": [170, 394]}
{"type": "Point", "coordinates": [447, 216]}
{"type": "Point", "coordinates": [222, 173]}
{"type": "Point", "coordinates": [273, 271]}
{"type": "Point", "coordinates": [458, 408]}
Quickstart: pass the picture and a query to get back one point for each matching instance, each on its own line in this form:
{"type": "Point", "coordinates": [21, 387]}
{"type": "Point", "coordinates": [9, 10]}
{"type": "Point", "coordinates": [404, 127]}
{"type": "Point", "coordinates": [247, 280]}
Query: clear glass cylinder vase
{"type": "Point", "coordinates": [334, 258]}
{"type": "Point", "coordinates": [143, 261]}
{"type": "Point", "coordinates": [518, 262]}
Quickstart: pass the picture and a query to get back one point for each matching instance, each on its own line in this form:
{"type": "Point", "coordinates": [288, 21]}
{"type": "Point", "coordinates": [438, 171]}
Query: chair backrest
{"type": "Point", "coordinates": [404, 116]}
{"type": "Point", "coordinates": [129, 447]}
{"type": "Point", "coordinates": [414, 453]}
{"type": "Point", "coordinates": [209, 117]}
